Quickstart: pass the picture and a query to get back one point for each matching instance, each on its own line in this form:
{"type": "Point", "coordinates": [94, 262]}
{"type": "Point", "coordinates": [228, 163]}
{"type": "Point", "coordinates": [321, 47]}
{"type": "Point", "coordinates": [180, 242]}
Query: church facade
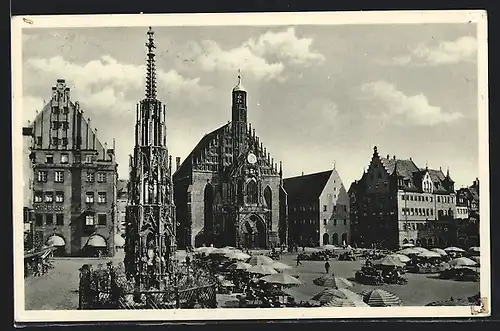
{"type": "Point", "coordinates": [227, 192]}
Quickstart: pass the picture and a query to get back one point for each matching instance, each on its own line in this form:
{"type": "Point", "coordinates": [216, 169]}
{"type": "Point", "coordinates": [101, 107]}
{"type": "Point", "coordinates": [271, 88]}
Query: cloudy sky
{"type": "Point", "coordinates": [318, 95]}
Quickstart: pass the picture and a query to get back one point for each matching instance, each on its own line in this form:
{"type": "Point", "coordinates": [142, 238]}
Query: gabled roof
{"type": "Point", "coordinates": [201, 145]}
{"type": "Point", "coordinates": [306, 187]}
{"type": "Point", "coordinates": [404, 168]}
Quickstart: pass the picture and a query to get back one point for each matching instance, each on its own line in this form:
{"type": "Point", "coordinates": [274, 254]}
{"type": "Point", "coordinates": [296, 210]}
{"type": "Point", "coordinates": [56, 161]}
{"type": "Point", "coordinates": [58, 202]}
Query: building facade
{"type": "Point", "coordinates": [121, 205]}
{"type": "Point", "coordinates": [395, 202]}
{"type": "Point", "coordinates": [27, 178]}
{"type": "Point", "coordinates": [318, 209]}
{"type": "Point", "coordinates": [468, 224]}
{"type": "Point", "coordinates": [74, 174]}
{"type": "Point", "coordinates": [228, 190]}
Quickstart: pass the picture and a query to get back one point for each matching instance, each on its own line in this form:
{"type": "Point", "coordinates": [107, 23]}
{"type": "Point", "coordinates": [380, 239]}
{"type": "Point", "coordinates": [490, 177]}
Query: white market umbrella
{"type": "Point", "coordinates": [240, 256]}
{"type": "Point", "coordinates": [462, 261]}
{"type": "Point", "coordinates": [440, 251]}
{"type": "Point", "coordinates": [475, 249]}
{"type": "Point", "coordinates": [280, 266]}
{"type": "Point", "coordinates": [420, 249]}
{"type": "Point", "coordinates": [240, 266]}
{"type": "Point", "coordinates": [454, 249]}
{"type": "Point", "coordinates": [262, 270]}
{"type": "Point", "coordinates": [329, 247]}
{"type": "Point", "coordinates": [408, 251]}
{"type": "Point", "coordinates": [283, 279]}
{"type": "Point", "coordinates": [261, 260]}
{"type": "Point", "coordinates": [429, 255]}
{"type": "Point", "coordinates": [407, 245]}
{"type": "Point", "coordinates": [204, 250]}
{"type": "Point", "coordinates": [403, 258]}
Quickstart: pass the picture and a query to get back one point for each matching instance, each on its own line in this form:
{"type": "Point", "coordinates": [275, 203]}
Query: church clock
{"type": "Point", "coordinates": [251, 158]}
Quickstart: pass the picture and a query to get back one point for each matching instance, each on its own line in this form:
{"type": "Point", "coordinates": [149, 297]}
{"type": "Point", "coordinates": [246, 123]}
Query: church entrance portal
{"type": "Point", "coordinates": [254, 233]}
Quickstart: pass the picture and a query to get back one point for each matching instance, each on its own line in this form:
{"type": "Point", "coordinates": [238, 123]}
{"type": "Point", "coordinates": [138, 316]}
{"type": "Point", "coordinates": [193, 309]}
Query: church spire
{"type": "Point", "coordinates": [239, 86]}
{"type": "Point", "coordinates": [150, 66]}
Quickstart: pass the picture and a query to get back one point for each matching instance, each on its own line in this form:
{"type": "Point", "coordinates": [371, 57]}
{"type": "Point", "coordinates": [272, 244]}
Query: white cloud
{"type": "Point", "coordinates": [463, 49]}
{"type": "Point", "coordinates": [401, 108]}
{"type": "Point", "coordinates": [264, 58]}
{"type": "Point", "coordinates": [105, 82]}
{"type": "Point", "coordinates": [31, 105]}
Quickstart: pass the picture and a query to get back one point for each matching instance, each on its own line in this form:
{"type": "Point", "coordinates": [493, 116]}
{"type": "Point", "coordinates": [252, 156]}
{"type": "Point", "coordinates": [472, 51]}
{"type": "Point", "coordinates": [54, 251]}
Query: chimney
{"type": "Point", "coordinates": [388, 156]}
{"type": "Point", "coordinates": [394, 157]}
{"type": "Point", "coordinates": [410, 159]}
{"type": "Point", "coordinates": [177, 163]}
{"type": "Point", "coordinates": [302, 173]}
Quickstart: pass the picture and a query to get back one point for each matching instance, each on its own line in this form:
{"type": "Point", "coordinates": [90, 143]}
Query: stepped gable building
{"type": "Point", "coordinates": [74, 179]}
{"type": "Point", "coordinates": [395, 202]}
{"type": "Point", "coordinates": [468, 220]}
{"type": "Point", "coordinates": [228, 190]}
{"type": "Point", "coordinates": [318, 209]}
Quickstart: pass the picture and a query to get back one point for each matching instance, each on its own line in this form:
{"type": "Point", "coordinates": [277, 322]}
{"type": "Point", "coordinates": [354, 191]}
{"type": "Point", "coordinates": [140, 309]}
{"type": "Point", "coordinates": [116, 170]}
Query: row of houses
{"type": "Point", "coordinates": [230, 191]}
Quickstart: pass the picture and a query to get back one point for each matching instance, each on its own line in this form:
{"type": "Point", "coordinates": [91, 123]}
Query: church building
{"type": "Point", "coordinates": [227, 192]}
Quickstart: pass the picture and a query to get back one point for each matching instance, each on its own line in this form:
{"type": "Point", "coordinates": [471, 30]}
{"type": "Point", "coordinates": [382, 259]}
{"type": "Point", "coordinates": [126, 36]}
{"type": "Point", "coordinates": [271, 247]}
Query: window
{"type": "Point", "coordinates": [403, 197]}
{"type": "Point", "coordinates": [38, 196]}
{"type": "Point", "coordinates": [59, 219]}
{"type": "Point", "coordinates": [59, 196]}
{"type": "Point", "coordinates": [49, 158]}
{"type": "Point", "coordinates": [65, 125]}
{"type": "Point", "coordinates": [101, 177]}
{"type": "Point", "coordinates": [334, 208]}
{"type": "Point", "coordinates": [438, 199]}
{"type": "Point", "coordinates": [432, 212]}
{"type": "Point", "coordinates": [324, 221]}
{"type": "Point", "coordinates": [345, 222]}
{"type": "Point", "coordinates": [324, 207]}
{"type": "Point", "coordinates": [90, 177]}
{"type": "Point", "coordinates": [411, 197]}
{"type": "Point", "coordinates": [64, 158]}
{"type": "Point", "coordinates": [59, 176]}
{"type": "Point", "coordinates": [89, 220]}
{"type": "Point", "coordinates": [430, 199]}
{"type": "Point", "coordinates": [39, 140]}
{"type": "Point", "coordinates": [101, 219]}
{"type": "Point", "coordinates": [411, 211]}
{"type": "Point", "coordinates": [101, 198]}
{"type": "Point", "coordinates": [64, 141]}
{"type": "Point", "coordinates": [89, 197]}
{"type": "Point", "coordinates": [55, 141]}
{"type": "Point", "coordinates": [426, 198]}
{"type": "Point", "coordinates": [39, 219]}
{"type": "Point", "coordinates": [49, 219]}
{"type": "Point", "coordinates": [42, 176]}
{"type": "Point", "coordinates": [55, 125]}
{"type": "Point", "coordinates": [334, 222]}
{"type": "Point", "coordinates": [89, 158]}
{"type": "Point", "coordinates": [48, 197]}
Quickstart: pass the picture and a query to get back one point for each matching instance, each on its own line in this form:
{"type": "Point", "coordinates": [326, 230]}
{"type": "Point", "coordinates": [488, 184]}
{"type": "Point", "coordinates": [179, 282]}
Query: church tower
{"type": "Point", "coordinates": [150, 230]}
{"type": "Point", "coordinates": [239, 119]}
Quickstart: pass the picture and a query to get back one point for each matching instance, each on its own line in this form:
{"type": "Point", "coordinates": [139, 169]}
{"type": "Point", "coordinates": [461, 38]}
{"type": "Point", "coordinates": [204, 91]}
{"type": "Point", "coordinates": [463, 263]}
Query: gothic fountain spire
{"type": "Point", "coordinates": [150, 66]}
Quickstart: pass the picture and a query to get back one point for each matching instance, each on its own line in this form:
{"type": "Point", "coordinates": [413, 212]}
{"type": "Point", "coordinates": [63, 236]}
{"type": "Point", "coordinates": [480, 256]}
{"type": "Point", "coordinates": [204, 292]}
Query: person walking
{"type": "Point", "coordinates": [298, 261]}
{"type": "Point", "coordinates": [327, 266]}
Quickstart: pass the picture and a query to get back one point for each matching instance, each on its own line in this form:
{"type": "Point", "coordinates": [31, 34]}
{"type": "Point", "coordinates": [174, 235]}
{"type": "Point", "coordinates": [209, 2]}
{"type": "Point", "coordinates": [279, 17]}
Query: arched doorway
{"type": "Point", "coordinates": [430, 242]}
{"type": "Point", "coordinates": [344, 239]}
{"type": "Point", "coordinates": [58, 243]}
{"type": "Point", "coordinates": [412, 241]}
{"type": "Point", "coordinates": [208, 213]}
{"type": "Point", "coordinates": [260, 240]}
{"type": "Point", "coordinates": [326, 239]}
{"type": "Point", "coordinates": [418, 243]}
{"type": "Point", "coordinates": [405, 241]}
{"type": "Point", "coordinates": [335, 239]}
{"type": "Point", "coordinates": [247, 235]}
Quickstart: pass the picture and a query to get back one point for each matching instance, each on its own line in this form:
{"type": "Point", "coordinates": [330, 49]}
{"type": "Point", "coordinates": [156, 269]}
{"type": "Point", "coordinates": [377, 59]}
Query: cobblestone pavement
{"type": "Point", "coordinates": [58, 289]}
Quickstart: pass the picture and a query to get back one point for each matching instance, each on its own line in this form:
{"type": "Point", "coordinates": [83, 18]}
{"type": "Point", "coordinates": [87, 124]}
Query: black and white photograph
{"type": "Point", "coordinates": [193, 167]}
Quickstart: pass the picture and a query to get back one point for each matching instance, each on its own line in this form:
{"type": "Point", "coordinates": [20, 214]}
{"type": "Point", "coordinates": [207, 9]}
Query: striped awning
{"type": "Point", "coordinates": [56, 241]}
{"type": "Point", "coordinates": [96, 241]}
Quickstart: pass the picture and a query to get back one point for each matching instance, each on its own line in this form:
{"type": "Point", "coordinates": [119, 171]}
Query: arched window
{"type": "Point", "coordinates": [268, 198]}
{"type": "Point", "coordinates": [326, 239]}
{"type": "Point", "coordinates": [252, 192]}
{"type": "Point", "coordinates": [208, 201]}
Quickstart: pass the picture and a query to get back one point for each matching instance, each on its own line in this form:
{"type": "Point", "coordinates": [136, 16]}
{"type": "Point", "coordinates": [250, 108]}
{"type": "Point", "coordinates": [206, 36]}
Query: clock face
{"type": "Point", "coordinates": [252, 159]}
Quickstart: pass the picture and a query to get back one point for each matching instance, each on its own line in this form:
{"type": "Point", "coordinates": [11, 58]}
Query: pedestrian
{"type": "Point", "coordinates": [298, 261]}
{"type": "Point", "coordinates": [327, 266]}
